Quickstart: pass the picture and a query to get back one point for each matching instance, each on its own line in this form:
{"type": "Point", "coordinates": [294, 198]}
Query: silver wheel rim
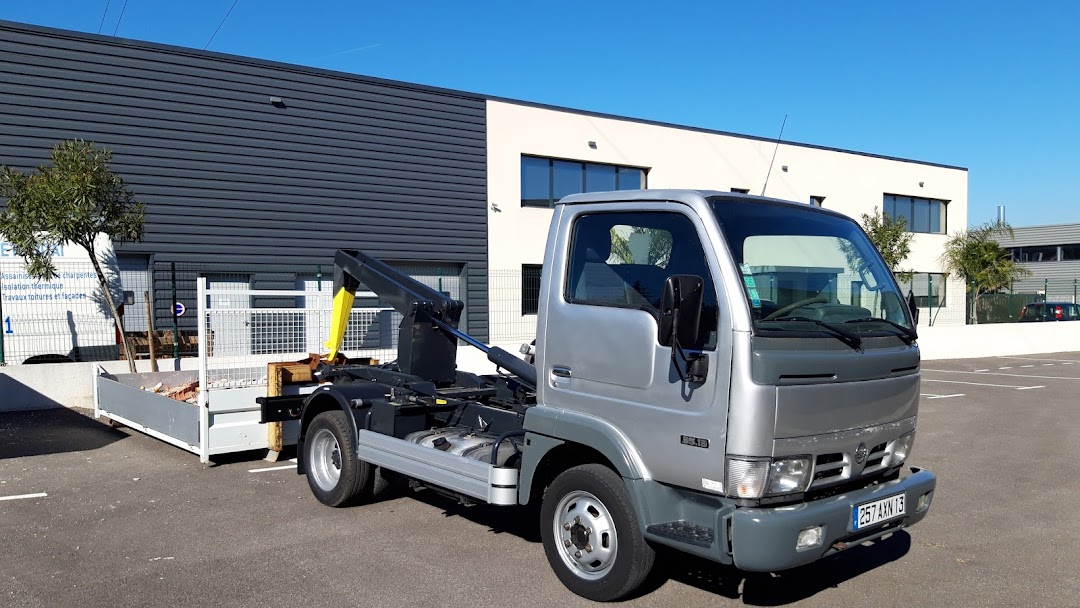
{"type": "Point", "coordinates": [325, 460]}
{"type": "Point", "coordinates": [585, 534]}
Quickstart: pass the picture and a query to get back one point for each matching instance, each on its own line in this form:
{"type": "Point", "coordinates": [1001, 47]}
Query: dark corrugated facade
{"type": "Point", "coordinates": [231, 179]}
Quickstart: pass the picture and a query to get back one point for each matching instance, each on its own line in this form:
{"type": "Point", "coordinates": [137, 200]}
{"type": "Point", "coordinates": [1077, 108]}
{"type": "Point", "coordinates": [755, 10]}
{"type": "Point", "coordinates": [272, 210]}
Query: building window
{"type": "Point", "coordinates": [741, 190]}
{"type": "Point", "coordinates": [546, 180]}
{"type": "Point", "coordinates": [1045, 253]}
{"type": "Point", "coordinates": [530, 288]}
{"type": "Point", "coordinates": [920, 214]}
{"type": "Point", "coordinates": [817, 201]}
{"type": "Point", "coordinates": [928, 287]}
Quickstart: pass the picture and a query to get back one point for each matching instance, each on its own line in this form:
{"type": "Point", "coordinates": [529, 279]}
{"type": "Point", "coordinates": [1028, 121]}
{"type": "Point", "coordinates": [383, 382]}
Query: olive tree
{"type": "Point", "coordinates": [72, 201]}
{"type": "Point", "coordinates": [891, 237]}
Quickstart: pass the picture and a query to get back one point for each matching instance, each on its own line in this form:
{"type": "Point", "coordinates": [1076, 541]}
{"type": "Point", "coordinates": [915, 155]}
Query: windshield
{"type": "Point", "coordinates": [804, 270]}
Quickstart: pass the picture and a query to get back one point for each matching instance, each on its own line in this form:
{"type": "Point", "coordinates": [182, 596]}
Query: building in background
{"type": "Point", "coordinates": [255, 172]}
{"type": "Point", "coordinates": [537, 154]}
{"type": "Point", "coordinates": [1052, 255]}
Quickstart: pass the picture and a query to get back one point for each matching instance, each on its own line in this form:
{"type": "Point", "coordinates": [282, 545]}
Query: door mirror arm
{"type": "Point", "coordinates": [680, 320]}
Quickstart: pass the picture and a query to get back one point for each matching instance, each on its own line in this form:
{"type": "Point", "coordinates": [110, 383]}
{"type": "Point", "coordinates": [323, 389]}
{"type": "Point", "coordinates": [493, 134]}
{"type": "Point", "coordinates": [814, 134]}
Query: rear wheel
{"type": "Point", "coordinates": [336, 476]}
{"type": "Point", "coordinates": [591, 534]}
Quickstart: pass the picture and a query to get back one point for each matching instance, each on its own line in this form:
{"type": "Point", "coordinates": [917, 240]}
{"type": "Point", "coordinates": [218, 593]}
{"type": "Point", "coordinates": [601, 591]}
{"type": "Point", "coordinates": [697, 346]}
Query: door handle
{"type": "Point", "coordinates": [560, 371]}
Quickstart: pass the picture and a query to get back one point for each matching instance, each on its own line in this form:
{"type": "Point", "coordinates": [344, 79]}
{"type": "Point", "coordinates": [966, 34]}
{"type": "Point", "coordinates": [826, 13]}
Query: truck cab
{"type": "Point", "coordinates": [732, 376]}
{"type": "Point", "coordinates": [808, 385]}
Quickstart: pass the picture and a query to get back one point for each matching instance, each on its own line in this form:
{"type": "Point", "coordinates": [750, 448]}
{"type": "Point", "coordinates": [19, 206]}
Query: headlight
{"type": "Point", "coordinates": [788, 475]}
{"type": "Point", "coordinates": [901, 449]}
{"type": "Point", "coordinates": [757, 477]}
{"type": "Point", "coordinates": [746, 477]}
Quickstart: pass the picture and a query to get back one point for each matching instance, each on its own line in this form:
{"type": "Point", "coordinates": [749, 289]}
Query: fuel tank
{"type": "Point", "coordinates": [469, 443]}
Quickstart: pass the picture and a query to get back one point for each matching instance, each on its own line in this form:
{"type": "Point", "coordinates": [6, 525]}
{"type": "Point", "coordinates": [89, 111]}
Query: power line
{"type": "Point", "coordinates": [122, 9]}
{"type": "Point", "coordinates": [212, 36]}
{"type": "Point", "coordinates": [107, 3]}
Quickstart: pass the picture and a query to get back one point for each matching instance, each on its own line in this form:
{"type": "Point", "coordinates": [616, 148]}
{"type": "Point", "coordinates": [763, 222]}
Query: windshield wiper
{"type": "Point", "coordinates": [906, 334]}
{"type": "Point", "coordinates": [840, 334]}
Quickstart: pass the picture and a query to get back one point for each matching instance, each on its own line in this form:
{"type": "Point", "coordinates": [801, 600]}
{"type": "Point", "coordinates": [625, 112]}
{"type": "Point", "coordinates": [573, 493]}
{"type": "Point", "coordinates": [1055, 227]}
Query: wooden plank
{"type": "Point", "coordinates": [277, 376]}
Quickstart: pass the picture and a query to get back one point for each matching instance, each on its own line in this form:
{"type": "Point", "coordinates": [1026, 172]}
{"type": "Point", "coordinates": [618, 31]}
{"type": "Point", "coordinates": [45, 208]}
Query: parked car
{"type": "Point", "coordinates": [1050, 311]}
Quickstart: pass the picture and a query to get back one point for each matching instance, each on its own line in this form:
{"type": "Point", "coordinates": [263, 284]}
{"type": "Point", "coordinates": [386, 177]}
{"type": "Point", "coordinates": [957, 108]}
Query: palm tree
{"type": "Point", "coordinates": [975, 256]}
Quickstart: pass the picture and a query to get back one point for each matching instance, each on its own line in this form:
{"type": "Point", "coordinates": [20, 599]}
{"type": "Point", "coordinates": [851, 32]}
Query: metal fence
{"type": "Point", "coordinates": [66, 318]}
{"type": "Point", "coordinates": [76, 324]}
{"type": "Point", "coordinates": [513, 299]}
{"type": "Point", "coordinates": [1006, 306]}
{"type": "Point", "coordinates": [240, 336]}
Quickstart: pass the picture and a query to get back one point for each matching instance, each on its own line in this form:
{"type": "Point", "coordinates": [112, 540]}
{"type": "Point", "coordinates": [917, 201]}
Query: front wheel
{"type": "Point", "coordinates": [591, 535]}
{"type": "Point", "coordinates": [336, 476]}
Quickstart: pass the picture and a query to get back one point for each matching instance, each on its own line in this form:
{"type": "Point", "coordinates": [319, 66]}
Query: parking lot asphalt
{"type": "Point", "coordinates": [95, 516]}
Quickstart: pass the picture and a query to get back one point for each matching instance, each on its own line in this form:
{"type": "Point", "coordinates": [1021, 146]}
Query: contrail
{"type": "Point", "coordinates": [356, 50]}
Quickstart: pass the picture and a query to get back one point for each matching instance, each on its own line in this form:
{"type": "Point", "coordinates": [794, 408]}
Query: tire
{"type": "Point", "coordinates": [587, 511]}
{"type": "Point", "coordinates": [336, 477]}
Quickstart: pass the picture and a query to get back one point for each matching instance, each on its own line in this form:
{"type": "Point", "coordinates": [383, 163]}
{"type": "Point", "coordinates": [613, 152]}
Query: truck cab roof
{"type": "Point", "coordinates": [685, 196]}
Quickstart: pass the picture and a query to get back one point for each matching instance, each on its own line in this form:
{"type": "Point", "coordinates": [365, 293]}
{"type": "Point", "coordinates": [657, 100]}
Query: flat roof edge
{"type": "Point", "coordinates": [292, 67]}
{"type": "Point", "coordinates": [672, 125]}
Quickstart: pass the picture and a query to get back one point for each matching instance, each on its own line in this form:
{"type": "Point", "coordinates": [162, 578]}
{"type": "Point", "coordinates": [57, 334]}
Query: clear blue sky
{"type": "Point", "coordinates": [992, 86]}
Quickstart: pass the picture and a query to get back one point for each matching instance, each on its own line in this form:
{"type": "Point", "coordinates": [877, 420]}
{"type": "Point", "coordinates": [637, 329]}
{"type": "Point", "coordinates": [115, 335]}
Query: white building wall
{"type": "Point", "coordinates": [685, 158]}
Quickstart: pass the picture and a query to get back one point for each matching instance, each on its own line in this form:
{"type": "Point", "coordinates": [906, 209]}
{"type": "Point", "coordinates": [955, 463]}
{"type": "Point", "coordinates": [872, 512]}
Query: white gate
{"type": "Point", "coordinates": [238, 338]}
{"type": "Point", "coordinates": [232, 335]}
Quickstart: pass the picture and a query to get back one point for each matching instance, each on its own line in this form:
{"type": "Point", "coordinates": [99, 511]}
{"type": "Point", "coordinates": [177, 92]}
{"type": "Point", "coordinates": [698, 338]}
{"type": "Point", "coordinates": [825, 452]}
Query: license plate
{"type": "Point", "coordinates": [868, 514]}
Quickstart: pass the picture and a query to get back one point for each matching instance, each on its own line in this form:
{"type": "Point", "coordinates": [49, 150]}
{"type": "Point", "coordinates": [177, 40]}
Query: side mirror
{"type": "Point", "coordinates": [913, 307]}
{"type": "Point", "coordinates": [680, 309]}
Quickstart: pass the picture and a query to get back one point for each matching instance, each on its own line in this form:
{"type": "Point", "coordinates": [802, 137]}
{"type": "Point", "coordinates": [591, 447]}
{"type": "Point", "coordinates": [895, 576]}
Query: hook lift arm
{"type": "Point", "coordinates": [428, 335]}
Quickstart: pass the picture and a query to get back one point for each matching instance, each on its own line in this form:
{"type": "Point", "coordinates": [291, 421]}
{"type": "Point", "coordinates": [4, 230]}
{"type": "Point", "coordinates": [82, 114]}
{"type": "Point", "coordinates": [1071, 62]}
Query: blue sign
{"type": "Point", "coordinates": [180, 309]}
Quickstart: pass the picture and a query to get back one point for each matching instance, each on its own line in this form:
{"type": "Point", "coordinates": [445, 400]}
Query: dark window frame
{"type": "Point", "coordinates": [929, 300]}
{"type": "Point", "coordinates": [530, 288]}
{"type": "Point", "coordinates": [583, 165]}
{"type": "Point", "coordinates": [912, 203]}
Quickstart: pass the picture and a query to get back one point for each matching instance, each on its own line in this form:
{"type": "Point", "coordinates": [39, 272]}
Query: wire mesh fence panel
{"type": "Point", "coordinates": [1008, 305]}
{"type": "Point", "coordinates": [242, 339]}
{"type": "Point", "coordinates": [66, 318]}
{"type": "Point", "coordinates": [514, 298]}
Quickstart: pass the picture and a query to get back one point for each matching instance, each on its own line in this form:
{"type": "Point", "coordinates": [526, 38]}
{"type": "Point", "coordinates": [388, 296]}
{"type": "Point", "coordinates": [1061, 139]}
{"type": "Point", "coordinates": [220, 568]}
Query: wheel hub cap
{"type": "Point", "coordinates": [585, 534]}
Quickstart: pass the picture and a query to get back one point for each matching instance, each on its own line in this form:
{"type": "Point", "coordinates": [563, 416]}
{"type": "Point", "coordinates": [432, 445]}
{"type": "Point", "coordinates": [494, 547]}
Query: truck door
{"type": "Point", "coordinates": [601, 354]}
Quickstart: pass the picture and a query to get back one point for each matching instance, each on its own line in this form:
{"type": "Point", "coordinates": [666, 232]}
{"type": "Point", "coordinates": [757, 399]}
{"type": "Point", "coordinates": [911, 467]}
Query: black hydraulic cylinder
{"type": "Point", "coordinates": [512, 364]}
{"type": "Point", "coordinates": [498, 356]}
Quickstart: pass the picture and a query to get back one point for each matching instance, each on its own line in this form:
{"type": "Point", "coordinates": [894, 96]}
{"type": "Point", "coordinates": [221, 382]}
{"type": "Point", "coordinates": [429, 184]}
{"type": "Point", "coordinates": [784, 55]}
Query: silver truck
{"type": "Point", "coordinates": [732, 376]}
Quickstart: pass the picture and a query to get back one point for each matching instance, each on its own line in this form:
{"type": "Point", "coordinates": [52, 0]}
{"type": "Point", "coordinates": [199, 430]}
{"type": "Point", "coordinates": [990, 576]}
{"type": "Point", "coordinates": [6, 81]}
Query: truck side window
{"type": "Point", "coordinates": [622, 260]}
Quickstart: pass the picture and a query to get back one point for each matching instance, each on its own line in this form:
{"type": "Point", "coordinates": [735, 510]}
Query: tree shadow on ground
{"type": "Point", "coordinates": [52, 431]}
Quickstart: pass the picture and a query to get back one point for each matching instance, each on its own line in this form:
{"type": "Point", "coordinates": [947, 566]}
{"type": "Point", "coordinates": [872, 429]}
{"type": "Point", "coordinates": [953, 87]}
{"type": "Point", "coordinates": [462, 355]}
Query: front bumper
{"type": "Point", "coordinates": [763, 539]}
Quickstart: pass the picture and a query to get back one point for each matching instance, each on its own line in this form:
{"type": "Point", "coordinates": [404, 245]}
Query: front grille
{"type": "Point", "coordinates": [836, 467]}
{"type": "Point", "coordinates": [875, 458]}
{"type": "Point", "coordinates": [829, 468]}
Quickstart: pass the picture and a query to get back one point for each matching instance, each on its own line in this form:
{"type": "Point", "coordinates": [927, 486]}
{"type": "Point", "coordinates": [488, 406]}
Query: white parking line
{"type": "Point", "coordinates": [957, 371]}
{"type": "Point", "coordinates": [22, 496]}
{"type": "Point", "coordinates": [929, 396]}
{"type": "Point", "coordinates": [279, 468]}
{"type": "Point", "coordinates": [1062, 361]}
{"type": "Point", "coordinates": [981, 384]}
{"type": "Point", "coordinates": [1029, 388]}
